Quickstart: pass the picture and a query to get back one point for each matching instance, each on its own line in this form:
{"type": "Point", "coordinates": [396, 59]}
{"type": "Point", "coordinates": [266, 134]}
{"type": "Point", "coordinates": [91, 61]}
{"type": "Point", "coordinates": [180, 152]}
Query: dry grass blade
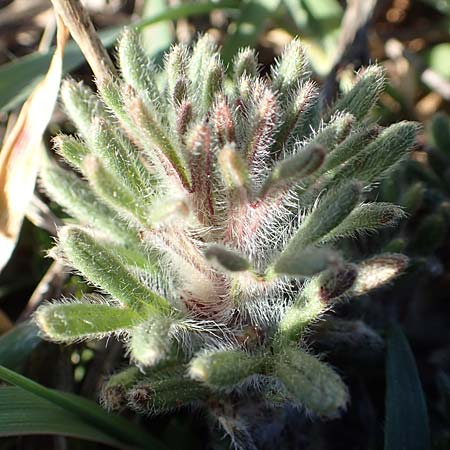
{"type": "Point", "coordinates": [82, 30]}
{"type": "Point", "coordinates": [20, 154]}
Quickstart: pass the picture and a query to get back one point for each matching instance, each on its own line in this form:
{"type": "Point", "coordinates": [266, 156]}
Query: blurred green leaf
{"type": "Point", "coordinates": [314, 18]}
{"type": "Point", "coordinates": [439, 59]}
{"type": "Point", "coordinates": [156, 38]}
{"type": "Point", "coordinates": [248, 26]}
{"type": "Point", "coordinates": [325, 10]}
{"type": "Point", "coordinates": [17, 344]}
{"type": "Point", "coordinates": [406, 426]}
{"type": "Point", "coordinates": [22, 413]}
{"type": "Point", "coordinates": [86, 411]}
{"type": "Point", "coordinates": [298, 13]}
{"type": "Point", "coordinates": [18, 78]}
{"type": "Point", "coordinates": [318, 25]}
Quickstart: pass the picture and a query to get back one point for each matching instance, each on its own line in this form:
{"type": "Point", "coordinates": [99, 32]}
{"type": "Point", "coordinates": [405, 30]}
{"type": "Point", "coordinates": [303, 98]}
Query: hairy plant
{"type": "Point", "coordinates": [208, 212]}
{"type": "Point", "coordinates": [423, 189]}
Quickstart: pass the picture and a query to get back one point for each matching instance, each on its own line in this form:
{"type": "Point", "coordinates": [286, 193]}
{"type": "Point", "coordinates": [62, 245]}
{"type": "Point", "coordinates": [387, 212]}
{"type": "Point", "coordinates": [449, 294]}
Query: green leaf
{"type": "Point", "coordinates": [249, 25]}
{"type": "Point", "coordinates": [290, 69]}
{"type": "Point", "coordinates": [121, 159]}
{"type": "Point", "coordinates": [440, 131]}
{"type": "Point", "coordinates": [439, 59]}
{"type": "Point", "coordinates": [333, 208]}
{"type": "Point", "coordinates": [305, 262]}
{"type": "Point", "coordinates": [224, 368]}
{"type": "Point", "coordinates": [311, 382]}
{"type": "Point", "coordinates": [156, 38]}
{"type": "Point", "coordinates": [381, 156]}
{"type": "Point", "coordinates": [366, 218]}
{"type": "Point", "coordinates": [316, 297]}
{"type": "Point", "coordinates": [18, 343]}
{"type": "Point", "coordinates": [298, 13]}
{"type": "Point", "coordinates": [136, 67]}
{"type": "Point", "coordinates": [69, 322]}
{"type": "Point", "coordinates": [406, 425]}
{"type": "Point", "coordinates": [364, 94]}
{"type": "Point", "coordinates": [106, 270]}
{"type": "Point", "coordinates": [22, 413]}
{"type": "Point", "coordinates": [315, 18]}
{"type": "Point", "coordinates": [113, 392]}
{"type": "Point", "coordinates": [113, 194]}
{"type": "Point", "coordinates": [85, 410]}
{"type": "Point", "coordinates": [325, 10]}
{"type": "Point", "coordinates": [164, 392]}
{"type": "Point", "coordinates": [151, 342]}
{"type": "Point", "coordinates": [19, 77]}
{"type": "Point", "coordinates": [82, 106]}
{"type": "Point", "coordinates": [293, 169]}
{"type": "Point", "coordinates": [78, 199]}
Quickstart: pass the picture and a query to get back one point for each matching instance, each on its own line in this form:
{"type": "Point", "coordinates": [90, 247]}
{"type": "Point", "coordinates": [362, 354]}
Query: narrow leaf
{"type": "Point", "coordinates": [224, 368]}
{"type": "Point", "coordinates": [292, 170]}
{"type": "Point", "coordinates": [330, 212]}
{"type": "Point", "coordinates": [151, 342]}
{"type": "Point", "coordinates": [22, 413]}
{"type": "Point", "coordinates": [366, 218]}
{"type": "Point", "coordinates": [249, 25]}
{"type": "Point", "coordinates": [112, 395]}
{"type": "Point", "coordinates": [311, 382]}
{"type": "Point", "coordinates": [160, 393]}
{"type": "Point", "coordinates": [18, 343]}
{"type": "Point", "coordinates": [157, 38]}
{"type": "Point", "coordinates": [74, 321]}
{"type": "Point", "coordinates": [364, 94]}
{"type": "Point", "coordinates": [78, 199]}
{"type": "Point", "coordinates": [86, 410]}
{"type": "Point", "coordinates": [137, 69]}
{"type": "Point", "coordinates": [406, 425]}
{"type": "Point", "coordinates": [290, 68]}
{"type": "Point", "coordinates": [226, 259]}
{"type": "Point", "coordinates": [375, 160]}
{"type": "Point", "coordinates": [81, 105]}
{"type": "Point", "coordinates": [19, 77]}
{"type": "Point", "coordinates": [306, 262]}
{"type": "Point", "coordinates": [105, 269]}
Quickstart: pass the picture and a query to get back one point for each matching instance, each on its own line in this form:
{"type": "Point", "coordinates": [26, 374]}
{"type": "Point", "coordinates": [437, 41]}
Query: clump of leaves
{"type": "Point", "coordinates": [423, 189]}
{"type": "Point", "coordinates": [209, 211]}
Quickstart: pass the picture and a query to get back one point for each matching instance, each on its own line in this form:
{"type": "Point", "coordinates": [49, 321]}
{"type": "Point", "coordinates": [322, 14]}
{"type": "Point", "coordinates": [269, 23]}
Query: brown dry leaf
{"type": "Point", "coordinates": [21, 151]}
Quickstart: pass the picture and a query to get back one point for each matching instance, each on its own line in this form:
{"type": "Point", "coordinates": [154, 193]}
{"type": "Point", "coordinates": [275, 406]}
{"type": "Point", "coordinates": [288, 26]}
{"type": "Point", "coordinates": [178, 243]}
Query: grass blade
{"type": "Point", "coordinates": [22, 413]}
{"type": "Point", "coordinates": [19, 77]}
{"type": "Point", "coordinates": [86, 410]}
{"type": "Point", "coordinates": [406, 425]}
{"type": "Point", "coordinates": [156, 38]}
{"type": "Point", "coordinates": [18, 343]}
{"type": "Point", "coordinates": [250, 24]}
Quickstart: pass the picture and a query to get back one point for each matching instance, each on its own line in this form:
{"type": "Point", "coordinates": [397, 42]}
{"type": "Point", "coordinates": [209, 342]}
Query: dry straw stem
{"type": "Point", "coordinates": [82, 30]}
